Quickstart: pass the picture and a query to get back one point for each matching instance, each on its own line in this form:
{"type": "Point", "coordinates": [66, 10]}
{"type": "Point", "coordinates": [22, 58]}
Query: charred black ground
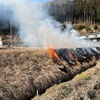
{"type": "Point", "coordinates": [74, 57]}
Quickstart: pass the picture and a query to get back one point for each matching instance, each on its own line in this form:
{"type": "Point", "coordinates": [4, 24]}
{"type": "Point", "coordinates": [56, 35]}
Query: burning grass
{"type": "Point", "coordinates": [23, 72]}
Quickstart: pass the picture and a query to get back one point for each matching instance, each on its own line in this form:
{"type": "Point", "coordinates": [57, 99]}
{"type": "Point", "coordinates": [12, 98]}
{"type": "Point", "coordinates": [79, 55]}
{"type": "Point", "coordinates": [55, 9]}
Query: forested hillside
{"type": "Point", "coordinates": [76, 11]}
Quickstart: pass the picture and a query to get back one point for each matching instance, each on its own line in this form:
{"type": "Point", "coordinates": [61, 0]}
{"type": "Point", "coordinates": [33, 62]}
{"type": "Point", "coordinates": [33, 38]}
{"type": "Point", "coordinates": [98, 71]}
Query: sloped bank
{"type": "Point", "coordinates": [23, 72]}
{"type": "Point", "coordinates": [85, 86]}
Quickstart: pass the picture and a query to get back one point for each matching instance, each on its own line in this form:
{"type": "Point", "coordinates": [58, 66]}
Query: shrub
{"type": "Point", "coordinates": [78, 27]}
{"type": "Point", "coordinates": [88, 29]}
{"type": "Point", "coordinates": [95, 27]}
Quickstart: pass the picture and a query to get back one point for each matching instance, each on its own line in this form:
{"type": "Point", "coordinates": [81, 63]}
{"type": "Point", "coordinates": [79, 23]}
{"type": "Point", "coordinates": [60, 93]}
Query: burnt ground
{"type": "Point", "coordinates": [84, 86]}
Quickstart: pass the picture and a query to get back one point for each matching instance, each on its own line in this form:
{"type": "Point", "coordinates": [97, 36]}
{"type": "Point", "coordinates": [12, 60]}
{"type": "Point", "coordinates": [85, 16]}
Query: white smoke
{"type": "Point", "coordinates": [37, 27]}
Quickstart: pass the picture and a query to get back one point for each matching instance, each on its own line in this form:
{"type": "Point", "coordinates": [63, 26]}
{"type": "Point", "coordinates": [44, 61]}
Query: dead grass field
{"type": "Point", "coordinates": [24, 71]}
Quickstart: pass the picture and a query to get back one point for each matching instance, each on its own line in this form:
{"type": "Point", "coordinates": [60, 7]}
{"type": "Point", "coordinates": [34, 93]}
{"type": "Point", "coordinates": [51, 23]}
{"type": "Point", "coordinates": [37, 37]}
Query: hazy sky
{"type": "Point", "coordinates": [44, 0]}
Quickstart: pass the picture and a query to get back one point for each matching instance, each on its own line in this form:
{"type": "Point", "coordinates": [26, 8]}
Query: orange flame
{"type": "Point", "coordinates": [53, 53]}
{"type": "Point", "coordinates": [54, 56]}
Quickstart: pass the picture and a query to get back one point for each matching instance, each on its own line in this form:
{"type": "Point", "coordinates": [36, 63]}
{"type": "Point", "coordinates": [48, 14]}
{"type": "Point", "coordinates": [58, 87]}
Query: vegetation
{"type": "Point", "coordinates": [24, 71]}
{"type": "Point", "coordinates": [76, 11]}
{"type": "Point", "coordinates": [95, 27]}
{"type": "Point", "coordinates": [78, 26]}
{"type": "Point", "coordinates": [85, 85]}
{"type": "Point", "coordinates": [88, 29]}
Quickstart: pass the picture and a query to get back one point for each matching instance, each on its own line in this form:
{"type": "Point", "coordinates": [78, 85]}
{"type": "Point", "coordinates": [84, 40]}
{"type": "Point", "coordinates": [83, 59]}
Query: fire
{"type": "Point", "coordinates": [54, 56]}
{"type": "Point", "coordinates": [53, 53]}
{"type": "Point", "coordinates": [72, 57]}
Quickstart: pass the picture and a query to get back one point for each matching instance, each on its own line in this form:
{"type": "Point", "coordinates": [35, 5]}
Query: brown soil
{"type": "Point", "coordinates": [23, 72]}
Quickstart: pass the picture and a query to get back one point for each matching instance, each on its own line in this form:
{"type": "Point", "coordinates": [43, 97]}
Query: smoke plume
{"type": "Point", "coordinates": [36, 27]}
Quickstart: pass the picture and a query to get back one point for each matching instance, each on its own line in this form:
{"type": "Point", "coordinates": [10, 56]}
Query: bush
{"type": "Point", "coordinates": [78, 27]}
{"type": "Point", "coordinates": [95, 27]}
{"type": "Point", "coordinates": [88, 29]}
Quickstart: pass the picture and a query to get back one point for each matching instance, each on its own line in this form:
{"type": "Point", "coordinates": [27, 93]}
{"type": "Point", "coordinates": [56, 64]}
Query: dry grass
{"type": "Point", "coordinates": [79, 87]}
{"type": "Point", "coordinates": [23, 72]}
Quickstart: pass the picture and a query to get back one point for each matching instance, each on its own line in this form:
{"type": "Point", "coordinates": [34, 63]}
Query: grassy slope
{"type": "Point", "coordinates": [85, 86]}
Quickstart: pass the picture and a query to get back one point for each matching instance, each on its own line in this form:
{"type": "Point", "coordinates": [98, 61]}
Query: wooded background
{"type": "Point", "coordinates": [76, 11]}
